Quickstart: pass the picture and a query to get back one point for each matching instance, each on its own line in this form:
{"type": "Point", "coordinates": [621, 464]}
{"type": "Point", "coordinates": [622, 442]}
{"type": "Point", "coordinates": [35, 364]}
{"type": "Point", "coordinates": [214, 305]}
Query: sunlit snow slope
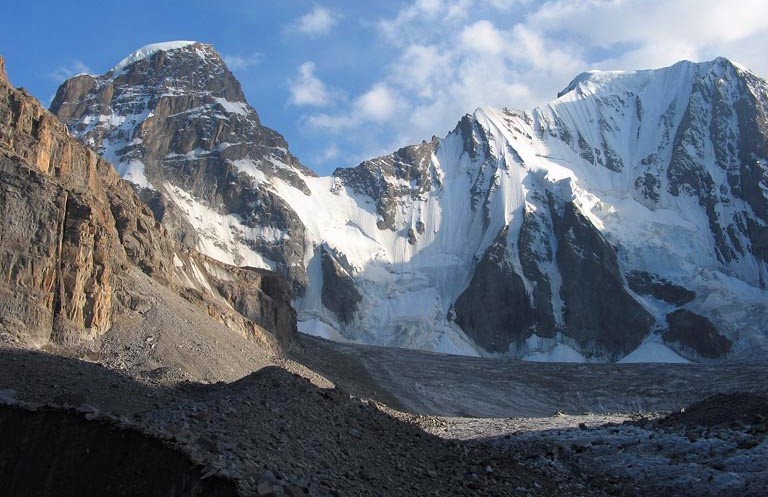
{"type": "Point", "coordinates": [625, 220]}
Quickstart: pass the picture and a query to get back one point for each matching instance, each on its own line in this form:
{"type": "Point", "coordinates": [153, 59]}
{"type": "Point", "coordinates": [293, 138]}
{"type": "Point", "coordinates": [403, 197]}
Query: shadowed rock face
{"type": "Point", "coordinates": [74, 229]}
{"type": "Point", "coordinates": [598, 309]}
{"type": "Point", "coordinates": [339, 292]}
{"type": "Point", "coordinates": [59, 453]}
{"type": "Point", "coordinates": [645, 283]}
{"type": "Point", "coordinates": [179, 119]}
{"type": "Point", "coordinates": [696, 333]}
{"type": "Point", "coordinates": [495, 309]}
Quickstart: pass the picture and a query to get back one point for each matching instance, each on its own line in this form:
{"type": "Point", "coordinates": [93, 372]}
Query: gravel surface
{"type": "Point", "coordinates": [460, 386]}
{"type": "Point", "coordinates": [276, 428]}
{"type": "Point", "coordinates": [280, 427]}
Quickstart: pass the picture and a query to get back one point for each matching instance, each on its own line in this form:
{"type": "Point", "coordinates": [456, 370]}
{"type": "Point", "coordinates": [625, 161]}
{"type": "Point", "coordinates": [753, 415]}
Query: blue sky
{"type": "Point", "coordinates": [348, 80]}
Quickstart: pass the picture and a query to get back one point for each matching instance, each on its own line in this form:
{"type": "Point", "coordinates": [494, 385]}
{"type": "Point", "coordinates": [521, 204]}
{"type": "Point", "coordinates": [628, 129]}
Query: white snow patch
{"type": "Point", "coordinates": [559, 353]}
{"type": "Point", "coordinates": [239, 108]}
{"type": "Point", "coordinates": [220, 236]}
{"type": "Point", "coordinates": [133, 171]}
{"type": "Point", "coordinates": [654, 351]}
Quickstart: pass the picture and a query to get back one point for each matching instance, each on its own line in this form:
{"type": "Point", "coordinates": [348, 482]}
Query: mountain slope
{"type": "Point", "coordinates": [174, 121]}
{"type": "Point", "coordinates": [75, 238]}
{"type": "Point", "coordinates": [626, 219]}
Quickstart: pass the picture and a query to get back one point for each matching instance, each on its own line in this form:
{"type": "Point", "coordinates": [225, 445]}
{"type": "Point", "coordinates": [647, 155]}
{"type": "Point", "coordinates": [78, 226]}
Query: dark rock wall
{"type": "Point", "coordinates": [495, 309]}
{"type": "Point", "coordinates": [599, 312]}
{"type": "Point", "coordinates": [644, 283]}
{"type": "Point", "coordinates": [339, 294]}
{"type": "Point", "coordinates": [697, 334]}
{"type": "Point", "coordinates": [52, 453]}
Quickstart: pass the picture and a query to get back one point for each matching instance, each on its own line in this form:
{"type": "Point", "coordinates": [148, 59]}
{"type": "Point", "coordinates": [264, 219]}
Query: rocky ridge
{"type": "Point", "coordinates": [175, 122]}
{"type": "Point", "coordinates": [75, 229]}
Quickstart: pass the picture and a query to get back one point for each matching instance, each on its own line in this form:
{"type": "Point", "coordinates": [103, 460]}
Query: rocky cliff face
{"type": "Point", "coordinates": [73, 229]}
{"type": "Point", "coordinates": [173, 120]}
{"type": "Point", "coordinates": [570, 232]}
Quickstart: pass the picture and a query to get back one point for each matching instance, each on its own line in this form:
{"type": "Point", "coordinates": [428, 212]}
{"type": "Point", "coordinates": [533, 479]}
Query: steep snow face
{"type": "Point", "coordinates": [409, 248]}
{"type": "Point", "coordinates": [674, 163]}
{"type": "Point", "coordinates": [505, 228]}
{"type": "Point", "coordinates": [574, 232]}
{"type": "Point", "coordinates": [680, 144]}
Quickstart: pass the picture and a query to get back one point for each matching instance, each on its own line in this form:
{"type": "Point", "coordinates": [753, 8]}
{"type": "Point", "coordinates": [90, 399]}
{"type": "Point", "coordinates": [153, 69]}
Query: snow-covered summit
{"type": "Point", "coordinates": [610, 82]}
{"type": "Point", "coordinates": [148, 50]}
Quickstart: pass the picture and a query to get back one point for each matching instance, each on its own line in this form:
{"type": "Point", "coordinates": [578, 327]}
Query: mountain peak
{"type": "Point", "coordinates": [589, 80]}
{"type": "Point", "coordinates": [151, 49]}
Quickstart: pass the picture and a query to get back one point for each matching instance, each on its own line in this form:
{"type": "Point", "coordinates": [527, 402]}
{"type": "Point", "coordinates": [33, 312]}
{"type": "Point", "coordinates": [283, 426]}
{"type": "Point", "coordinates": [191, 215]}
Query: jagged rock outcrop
{"type": "Point", "coordinates": [646, 283]}
{"type": "Point", "coordinates": [172, 118]}
{"type": "Point", "coordinates": [73, 229]}
{"type": "Point", "coordinates": [696, 335]}
{"type": "Point", "coordinates": [406, 173]}
{"type": "Point", "coordinates": [339, 293]}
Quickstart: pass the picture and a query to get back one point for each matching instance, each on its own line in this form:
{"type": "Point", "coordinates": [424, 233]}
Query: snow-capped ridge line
{"type": "Point", "coordinates": [602, 77]}
{"type": "Point", "coordinates": [149, 50]}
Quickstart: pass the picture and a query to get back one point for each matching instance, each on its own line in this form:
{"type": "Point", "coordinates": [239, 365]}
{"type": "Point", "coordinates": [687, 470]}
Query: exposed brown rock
{"type": "Point", "coordinates": [187, 121]}
{"type": "Point", "coordinates": [72, 227]}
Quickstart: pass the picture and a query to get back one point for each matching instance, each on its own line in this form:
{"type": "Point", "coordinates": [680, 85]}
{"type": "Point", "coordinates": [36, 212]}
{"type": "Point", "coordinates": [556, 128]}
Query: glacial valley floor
{"type": "Point", "coordinates": [338, 420]}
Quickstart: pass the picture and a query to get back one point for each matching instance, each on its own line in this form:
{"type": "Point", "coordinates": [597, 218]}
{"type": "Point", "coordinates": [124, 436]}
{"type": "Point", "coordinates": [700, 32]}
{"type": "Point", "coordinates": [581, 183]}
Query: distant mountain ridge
{"type": "Point", "coordinates": [625, 220]}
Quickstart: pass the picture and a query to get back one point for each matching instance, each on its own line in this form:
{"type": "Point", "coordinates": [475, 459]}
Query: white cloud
{"type": "Point", "coordinates": [422, 19]}
{"type": "Point", "coordinates": [242, 62]}
{"type": "Point", "coordinates": [331, 152]}
{"type": "Point", "coordinates": [659, 32]}
{"type": "Point", "coordinates": [482, 36]}
{"type": "Point", "coordinates": [378, 104]}
{"type": "Point", "coordinates": [65, 72]}
{"type": "Point", "coordinates": [318, 22]}
{"type": "Point", "coordinates": [452, 56]}
{"type": "Point", "coordinates": [308, 89]}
